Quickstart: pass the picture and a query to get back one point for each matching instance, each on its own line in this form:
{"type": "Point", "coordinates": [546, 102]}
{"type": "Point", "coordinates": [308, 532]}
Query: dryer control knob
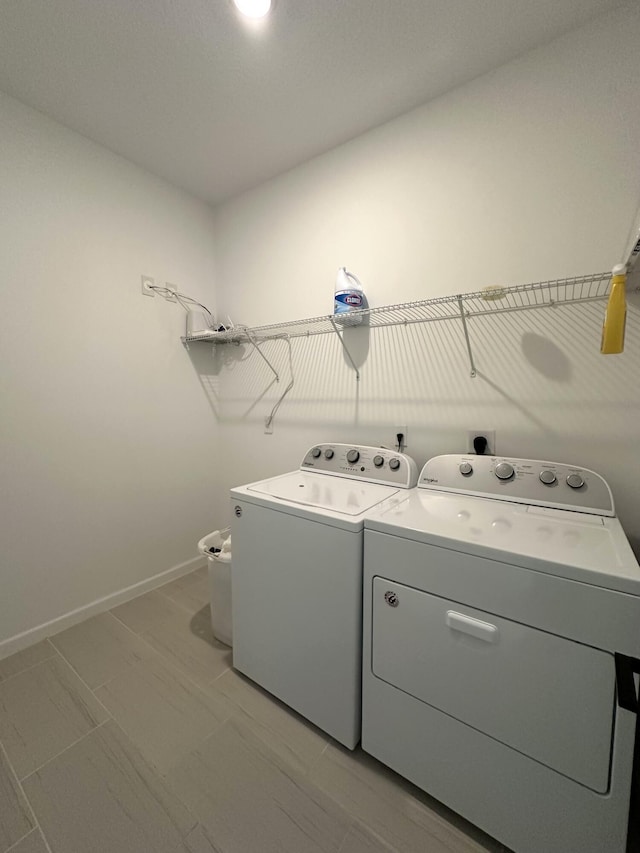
{"type": "Point", "coordinates": [547, 477]}
{"type": "Point", "coordinates": [378, 461]}
{"type": "Point", "coordinates": [353, 456]}
{"type": "Point", "coordinates": [504, 470]}
{"type": "Point", "coordinates": [328, 454]}
{"type": "Point", "coordinates": [394, 464]}
{"type": "Point", "coordinates": [575, 481]}
{"type": "Point", "coordinates": [316, 452]}
{"type": "Point", "coordinates": [466, 468]}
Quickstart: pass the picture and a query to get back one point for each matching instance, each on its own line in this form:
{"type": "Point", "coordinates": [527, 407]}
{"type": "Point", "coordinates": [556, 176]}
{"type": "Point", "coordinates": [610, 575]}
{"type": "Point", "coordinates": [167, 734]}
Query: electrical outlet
{"type": "Point", "coordinates": [146, 285]}
{"type": "Point", "coordinates": [489, 434]}
{"type": "Point", "coordinates": [171, 295]}
{"type": "Point", "coordinates": [268, 426]}
{"type": "Point", "coordinates": [405, 438]}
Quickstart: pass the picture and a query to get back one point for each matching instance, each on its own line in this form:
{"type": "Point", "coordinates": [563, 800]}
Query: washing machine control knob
{"type": "Point", "coordinates": [353, 456]}
{"type": "Point", "coordinates": [394, 464]}
{"type": "Point", "coordinates": [547, 477]}
{"type": "Point", "coordinates": [328, 454]}
{"type": "Point", "coordinates": [316, 452]}
{"type": "Point", "coordinates": [504, 470]}
{"type": "Point", "coordinates": [378, 461]}
{"type": "Point", "coordinates": [575, 481]}
{"type": "Point", "coordinates": [466, 468]}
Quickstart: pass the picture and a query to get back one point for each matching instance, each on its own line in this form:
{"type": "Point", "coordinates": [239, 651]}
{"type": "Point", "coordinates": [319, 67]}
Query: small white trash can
{"type": "Point", "coordinates": [217, 549]}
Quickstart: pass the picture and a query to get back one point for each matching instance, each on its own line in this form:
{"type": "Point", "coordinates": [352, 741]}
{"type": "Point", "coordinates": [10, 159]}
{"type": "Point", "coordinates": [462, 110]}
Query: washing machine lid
{"type": "Point", "coordinates": [588, 548]}
{"type": "Point", "coordinates": [345, 497]}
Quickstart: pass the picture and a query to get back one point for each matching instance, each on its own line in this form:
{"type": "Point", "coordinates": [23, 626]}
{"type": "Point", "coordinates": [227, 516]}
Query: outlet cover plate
{"type": "Point", "coordinates": [171, 296]}
{"type": "Point", "coordinates": [404, 429]}
{"type": "Point", "coordinates": [146, 284]}
{"type": "Point", "coordinates": [489, 434]}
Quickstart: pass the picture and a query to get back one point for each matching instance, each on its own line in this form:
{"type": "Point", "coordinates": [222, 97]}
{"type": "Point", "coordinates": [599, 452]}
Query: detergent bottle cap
{"type": "Point", "coordinates": [619, 269]}
{"type": "Point", "coordinates": [346, 280]}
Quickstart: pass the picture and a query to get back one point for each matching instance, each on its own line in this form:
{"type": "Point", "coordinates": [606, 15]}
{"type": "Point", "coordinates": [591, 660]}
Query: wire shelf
{"type": "Point", "coordinates": [490, 301]}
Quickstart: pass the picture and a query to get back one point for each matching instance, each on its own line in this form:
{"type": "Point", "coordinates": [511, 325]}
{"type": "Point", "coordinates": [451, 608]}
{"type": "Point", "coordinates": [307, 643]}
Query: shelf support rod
{"type": "Point", "coordinates": [260, 353]}
{"type": "Point", "coordinates": [345, 348]}
{"type": "Point", "coordinates": [463, 317]}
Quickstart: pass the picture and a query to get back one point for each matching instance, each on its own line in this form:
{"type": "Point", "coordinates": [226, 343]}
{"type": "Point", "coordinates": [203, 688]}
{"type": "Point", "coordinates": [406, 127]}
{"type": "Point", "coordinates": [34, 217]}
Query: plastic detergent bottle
{"type": "Point", "coordinates": [616, 315]}
{"type": "Point", "coordinates": [348, 299]}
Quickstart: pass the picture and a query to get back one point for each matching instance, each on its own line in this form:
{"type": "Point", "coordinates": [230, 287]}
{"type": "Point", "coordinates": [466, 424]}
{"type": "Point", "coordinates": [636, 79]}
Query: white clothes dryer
{"type": "Point", "coordinates": [297, 579]}
{"type": "Point", "coordinates": [501, 635]}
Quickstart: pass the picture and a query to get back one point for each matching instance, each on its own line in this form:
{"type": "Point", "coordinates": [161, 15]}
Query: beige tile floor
{"type": "Point", "coordinates": [130, 733]}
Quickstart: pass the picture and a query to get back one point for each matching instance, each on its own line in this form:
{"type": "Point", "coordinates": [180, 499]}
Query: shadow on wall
{"type": "Point", "coordinates": [209, 362]}
{"type": "Point", "coordinates": [538, 370]}
{"type": "Point", "coordinates": [546, 357]}
{"type": "Point", "coordinates": [357, 342]}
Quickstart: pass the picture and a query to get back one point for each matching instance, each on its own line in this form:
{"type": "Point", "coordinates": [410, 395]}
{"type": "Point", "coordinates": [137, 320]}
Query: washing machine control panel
{"type": "Point", "coordinates": [529, 481]}
{"type": "Point", "coordinates": [371, 464]}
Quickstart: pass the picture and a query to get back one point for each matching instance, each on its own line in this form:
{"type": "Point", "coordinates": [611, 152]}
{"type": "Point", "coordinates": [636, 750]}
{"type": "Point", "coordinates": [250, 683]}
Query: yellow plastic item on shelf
{"type": "Point", "coordinates": [616, 315]}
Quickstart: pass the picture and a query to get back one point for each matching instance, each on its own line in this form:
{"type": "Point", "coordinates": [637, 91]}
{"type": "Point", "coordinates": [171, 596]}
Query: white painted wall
{"type": "Point", "coordinates": [525, 174]}
{"type": "Point", "coordinates": [108, 440]}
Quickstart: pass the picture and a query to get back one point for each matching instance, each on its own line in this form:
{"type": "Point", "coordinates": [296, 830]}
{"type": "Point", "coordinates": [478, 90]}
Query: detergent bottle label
{"type": "Point", "coordinates": [347, 300]}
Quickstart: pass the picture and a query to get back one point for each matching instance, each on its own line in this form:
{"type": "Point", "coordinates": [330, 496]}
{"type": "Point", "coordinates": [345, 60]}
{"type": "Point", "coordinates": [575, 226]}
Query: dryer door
{"type": "Point", "coordinates": [547, 697]}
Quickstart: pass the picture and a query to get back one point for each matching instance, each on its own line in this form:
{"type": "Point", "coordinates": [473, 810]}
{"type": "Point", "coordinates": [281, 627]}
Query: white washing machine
{"type": "Point", "coordinates": [501, 636]}
{"type": "Point", "coordinates": [297, 579]}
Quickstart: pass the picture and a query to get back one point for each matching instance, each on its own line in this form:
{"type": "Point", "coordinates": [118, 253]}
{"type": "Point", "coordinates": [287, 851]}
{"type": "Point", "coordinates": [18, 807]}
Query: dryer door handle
{"type": "Point", "coordinates": [475, 627]}
{"type": "Point", "coordinates": [626, 670]}
{"type": "Point", "coordinates": [626, 667]}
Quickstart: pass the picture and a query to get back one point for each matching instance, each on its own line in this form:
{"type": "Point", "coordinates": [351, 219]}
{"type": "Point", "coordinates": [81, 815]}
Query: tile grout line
{"type": "Point", "coordinates": [177, 603]}
{"type": "Point", "coordinates": [219, 676]}
{"type": "Point", "coordinates": [46, 842]}
{"type": "Point", "coordinates": [367, 829]}
{"type": "Point", "coordinates": [315, 761]}
{"type": "Point", "coordinates": [162, 778]}
{"type": "Point", "coordinates": [20, 840]}
{"type": "Point", "coordinates": [159, 589]}
{"type": "Point", "coordinates": [19, 784]}
{"type": "Point", "coordinates": [37, 826]}
{"type": "Point", "coordinates": [36, 829]}
{"type": "Point", "coordinates": [131, 666]}
{"type": "Point", "coordinates": [62, 751]}
{"type": "Point", "coordinates": [141, 636]}
{"type": "Point", "coordinates": [28, 668]}
{"type": "Point", "coordinates": [133, 633]}
{"type": "Point", "coordinates": [252, 720]}
{"type": "Point", "coordinates": [342, 849]}
{"type": "Point", "coordinates": [168, 661]}
{"type": "Point", "coordinates": [77, 674]}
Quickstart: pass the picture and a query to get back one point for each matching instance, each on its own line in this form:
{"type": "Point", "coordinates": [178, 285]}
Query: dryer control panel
{"type": "Point", "coordinates": [371, 464]}
{"type": "Point", "coordinates": [528, 481]}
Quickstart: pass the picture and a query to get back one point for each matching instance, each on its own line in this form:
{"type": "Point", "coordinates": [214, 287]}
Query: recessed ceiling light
{"type": "Point", "coordinates": [253, 8]}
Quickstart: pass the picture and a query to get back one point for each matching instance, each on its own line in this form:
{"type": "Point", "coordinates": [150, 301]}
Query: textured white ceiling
{"type": "Point", "coordinates": [186, 89]}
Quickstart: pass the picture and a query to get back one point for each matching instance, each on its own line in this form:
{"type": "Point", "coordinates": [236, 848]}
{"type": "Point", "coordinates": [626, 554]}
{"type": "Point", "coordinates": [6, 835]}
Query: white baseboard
{"type": "Point", "coordinates": [27, 638]}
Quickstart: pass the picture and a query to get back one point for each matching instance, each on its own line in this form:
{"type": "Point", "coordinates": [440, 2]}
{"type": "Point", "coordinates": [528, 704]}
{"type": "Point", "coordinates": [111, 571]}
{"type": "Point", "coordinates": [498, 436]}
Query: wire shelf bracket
{"type": "Point", "coordinates": [253, 341]}
{"type": "Point", "coordinates": [463, 317]}
{"type": "Point", "coordinates": [345, 348]}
